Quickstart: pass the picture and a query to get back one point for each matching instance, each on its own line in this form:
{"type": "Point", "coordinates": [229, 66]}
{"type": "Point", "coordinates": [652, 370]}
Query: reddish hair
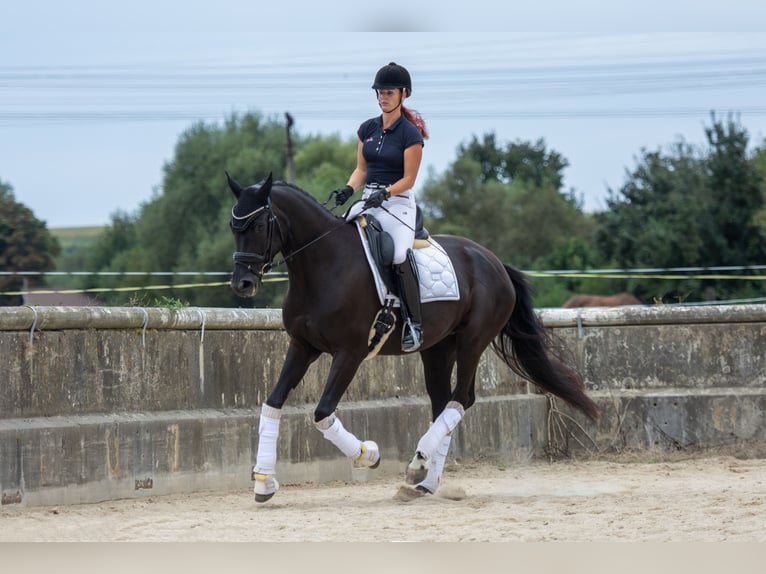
{"type": "Point", "coordinates": [417, 120]}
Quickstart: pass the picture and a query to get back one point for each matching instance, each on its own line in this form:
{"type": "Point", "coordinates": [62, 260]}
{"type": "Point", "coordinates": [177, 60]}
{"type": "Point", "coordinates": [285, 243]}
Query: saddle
{"type": "Point", "coordinates": [382, 245]}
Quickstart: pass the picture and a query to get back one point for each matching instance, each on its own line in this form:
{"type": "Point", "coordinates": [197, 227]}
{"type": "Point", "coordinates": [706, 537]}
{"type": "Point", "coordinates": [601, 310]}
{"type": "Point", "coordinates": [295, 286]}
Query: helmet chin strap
{"type": "Point", "coordinates": [399, 105]}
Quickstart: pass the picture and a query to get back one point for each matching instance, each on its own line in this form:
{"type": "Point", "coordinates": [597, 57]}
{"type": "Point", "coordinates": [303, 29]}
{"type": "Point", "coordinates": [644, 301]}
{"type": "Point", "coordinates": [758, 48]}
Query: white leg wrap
{"type": "Point", "coordinates": [436, 465]}
{"type": "Point", "coordinates": [333, 430]}
{"type": "Point", "coordinates": [444, 424]}
{"type": "Point", "coordinates": [268, 431]}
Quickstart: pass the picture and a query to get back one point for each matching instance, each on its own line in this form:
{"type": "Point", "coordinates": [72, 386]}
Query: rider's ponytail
{"type": "Point", "coordinates": [417, 120]}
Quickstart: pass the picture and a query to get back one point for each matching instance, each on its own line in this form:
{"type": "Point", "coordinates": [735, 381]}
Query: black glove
{"type": "Point", "coordinates": [376, 198]}
{"type": "Point", "coordinates": [342, 194]}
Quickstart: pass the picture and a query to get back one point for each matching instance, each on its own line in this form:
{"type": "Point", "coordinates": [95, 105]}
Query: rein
{"type": "Point", "coordinates": [284, 260]}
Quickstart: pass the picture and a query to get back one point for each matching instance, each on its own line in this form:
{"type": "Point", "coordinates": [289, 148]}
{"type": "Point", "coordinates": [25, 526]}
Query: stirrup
{"type": "Point", "coordinates": [412, 337]}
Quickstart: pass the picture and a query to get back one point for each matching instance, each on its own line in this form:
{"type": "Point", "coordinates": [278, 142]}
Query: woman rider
{"type": "Point", "coordinates": [389, 153]}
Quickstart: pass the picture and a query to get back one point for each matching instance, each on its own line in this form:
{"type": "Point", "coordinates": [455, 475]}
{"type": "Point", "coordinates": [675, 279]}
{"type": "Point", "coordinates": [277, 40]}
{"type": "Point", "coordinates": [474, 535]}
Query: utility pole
{"type": "Point", "coordinates": [290, 160]}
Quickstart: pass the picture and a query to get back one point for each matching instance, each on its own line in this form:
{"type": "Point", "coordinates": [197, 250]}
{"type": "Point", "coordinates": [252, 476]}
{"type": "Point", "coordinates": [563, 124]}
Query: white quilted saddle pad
{"type": "Point", "coordinates": [438, 281]}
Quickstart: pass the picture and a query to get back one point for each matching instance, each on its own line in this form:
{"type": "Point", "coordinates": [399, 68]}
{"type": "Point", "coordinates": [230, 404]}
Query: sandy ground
{"type": "Point", "coordinates": [720, 498]}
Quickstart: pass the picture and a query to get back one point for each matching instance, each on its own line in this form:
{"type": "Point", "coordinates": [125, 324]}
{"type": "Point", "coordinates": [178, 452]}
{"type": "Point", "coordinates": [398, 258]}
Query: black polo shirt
{"type": "Point", "coordinates": [383, 150]}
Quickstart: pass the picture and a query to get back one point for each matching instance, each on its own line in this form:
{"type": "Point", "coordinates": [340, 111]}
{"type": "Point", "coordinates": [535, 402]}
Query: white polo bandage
{"type": "Point", "coordinates": [444, 424]}
{"type": "Point", "coordinates": [268, 432]}
{"type": "Point", "coordinates": [436, 465]}
{"type": "Point", "coordinates": [332, 429]}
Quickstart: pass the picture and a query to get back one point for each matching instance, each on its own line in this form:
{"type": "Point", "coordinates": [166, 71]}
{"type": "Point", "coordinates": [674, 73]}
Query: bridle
{"type": "Point", "coordinates": [257, 263]}
{"type": "Point", "coordinates": [261, 263]}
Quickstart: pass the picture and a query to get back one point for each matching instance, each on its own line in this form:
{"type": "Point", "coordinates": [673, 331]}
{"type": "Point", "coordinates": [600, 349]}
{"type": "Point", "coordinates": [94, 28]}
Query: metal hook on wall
{"type": "Point", "coordinates": [202, 332]}
{"type": "Point", "coordinates": [143, 329]}
{"type": "Point", "coordinates": [202, 353]}
{"type": "Point", "coordinates": [34, 324]}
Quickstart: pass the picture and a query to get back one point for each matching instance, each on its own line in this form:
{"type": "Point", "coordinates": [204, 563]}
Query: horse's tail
{"type": "Point", "coordinates": [526, 347]}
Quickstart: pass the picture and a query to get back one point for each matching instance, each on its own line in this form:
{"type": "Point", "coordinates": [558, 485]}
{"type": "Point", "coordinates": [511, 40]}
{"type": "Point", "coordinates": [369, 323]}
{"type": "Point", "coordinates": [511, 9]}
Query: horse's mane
{"type": "Point", "coordinates": [281, 183]}
{"type": "Point", "coordinates": [291, 187]}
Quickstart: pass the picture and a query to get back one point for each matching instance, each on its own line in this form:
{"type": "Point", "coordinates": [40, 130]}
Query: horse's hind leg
{"type": "Point", "coordinates": [467, 352]}
{"type": "Point", "coordinates": [438, 362]}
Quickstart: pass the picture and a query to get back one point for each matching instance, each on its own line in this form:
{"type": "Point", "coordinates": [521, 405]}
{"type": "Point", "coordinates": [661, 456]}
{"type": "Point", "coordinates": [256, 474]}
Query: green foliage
{"type": "Point", "coordinates": [26, 244]}
{"type": "Point", "coordinates": [688, 208]}
{"type": "Point", "coordinates": [170, 303]}
{"type": "Point", "coordinates": [735, 184]}
{"type": "Point", "coordinates": [518, 161]}
{"type": "Point", "coordinates": [509, 199]}
{"type": "Point", "coordinates": [759, 166]}
{"type": "Point", "coordinates": [324, 164]}
{"type": "Point", "coordinates": [184, 228]}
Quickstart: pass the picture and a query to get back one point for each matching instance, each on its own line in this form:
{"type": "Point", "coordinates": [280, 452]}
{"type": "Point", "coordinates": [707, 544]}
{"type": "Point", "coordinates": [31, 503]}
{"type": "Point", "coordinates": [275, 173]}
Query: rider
{"type": "Point", "coordinates": [389, 152]}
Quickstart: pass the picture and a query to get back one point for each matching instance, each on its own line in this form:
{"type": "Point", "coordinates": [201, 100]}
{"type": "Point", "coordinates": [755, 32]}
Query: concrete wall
{"type": "Point", "coordinates": [99, 403]}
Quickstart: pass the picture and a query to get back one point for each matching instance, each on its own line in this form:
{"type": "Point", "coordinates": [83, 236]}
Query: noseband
{"type": "Point", "coordinates": [257, 263]}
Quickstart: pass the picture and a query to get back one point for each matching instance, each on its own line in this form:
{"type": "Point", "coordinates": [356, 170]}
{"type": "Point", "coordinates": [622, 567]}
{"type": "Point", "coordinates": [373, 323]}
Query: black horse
{"type": "Point", "coordinates": [331, 304]}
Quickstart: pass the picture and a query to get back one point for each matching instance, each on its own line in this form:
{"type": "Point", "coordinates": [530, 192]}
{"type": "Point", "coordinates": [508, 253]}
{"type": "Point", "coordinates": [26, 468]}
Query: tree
{"type": "Point", "coordinates": [25, 245]}
{"type": "Point", "coordinates": [184, 227]}
{"type": "Point", "coordinates": [509, 199]}
{"type": "Point", "coordinates": [736, 186]}
{"type": "Point", "coordinates": [687, 207]}
{"type": "Point", "coordinates": [324, 164]}
{"type": "Point", "coordinates": [759, 165]}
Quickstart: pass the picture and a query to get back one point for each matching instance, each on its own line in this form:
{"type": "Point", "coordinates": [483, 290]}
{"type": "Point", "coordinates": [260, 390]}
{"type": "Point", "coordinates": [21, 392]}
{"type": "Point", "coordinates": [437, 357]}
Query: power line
{"type": "Point", "coordinates": [95, 116]}
{"type": "Point", "coordinates": [201, 91]}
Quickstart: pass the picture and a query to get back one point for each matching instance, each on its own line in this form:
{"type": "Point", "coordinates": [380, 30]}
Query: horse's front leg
{"type": "Point", "coordinates": [342, 371]}
{"type": "Point", "coordinates": [297, 361]}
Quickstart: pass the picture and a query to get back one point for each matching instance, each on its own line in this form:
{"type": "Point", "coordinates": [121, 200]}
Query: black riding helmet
{"type": "Point", "coordinates": [393, 76]}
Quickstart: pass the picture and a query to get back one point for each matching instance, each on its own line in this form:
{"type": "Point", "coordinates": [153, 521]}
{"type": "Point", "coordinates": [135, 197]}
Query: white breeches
{"type": "Point", "coordinates": [398, 221]}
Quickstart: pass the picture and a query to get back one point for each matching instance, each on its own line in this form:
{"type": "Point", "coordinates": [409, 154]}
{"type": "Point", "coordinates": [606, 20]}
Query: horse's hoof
{"type": "Point", "coordinates": [416, 470]}
{"type": "Point", "coordinates": [370, 455]}
{"type": "Point", "coordinates": [408, 494]}
{"type": "Point", "coordinates": [266, 486]}
{"type": "Point", "coordinates": [263, 497]}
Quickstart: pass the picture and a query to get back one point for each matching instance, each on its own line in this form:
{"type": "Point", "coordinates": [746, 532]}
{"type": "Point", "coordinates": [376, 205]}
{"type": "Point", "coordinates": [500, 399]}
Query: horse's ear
{"type": "Point", "coordinates": [267, 183]}
{"type": "Point", "coordinates": [233, 185]}
{"type": "Point", "coordinates": [264, 189]}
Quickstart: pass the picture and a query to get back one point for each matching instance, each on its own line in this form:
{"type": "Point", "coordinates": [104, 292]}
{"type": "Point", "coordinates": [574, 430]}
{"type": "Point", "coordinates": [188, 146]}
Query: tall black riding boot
{"type": "Point", "coordinates": [409, 294]}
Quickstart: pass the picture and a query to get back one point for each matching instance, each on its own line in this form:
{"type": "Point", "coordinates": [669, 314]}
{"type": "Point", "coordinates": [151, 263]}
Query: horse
{"type": "Point", "coordinates": [331, 303]}
{"type": "Point", "coordinates": [616, 300]}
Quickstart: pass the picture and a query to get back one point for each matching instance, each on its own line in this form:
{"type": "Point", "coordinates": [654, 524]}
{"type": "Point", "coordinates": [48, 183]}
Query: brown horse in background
{"type": "Point", "coordinates": [583, 300]}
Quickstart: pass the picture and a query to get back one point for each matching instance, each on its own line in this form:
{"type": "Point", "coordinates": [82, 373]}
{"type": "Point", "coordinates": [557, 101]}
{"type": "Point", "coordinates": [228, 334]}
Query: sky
{"type": "Point", "coordinates": [95, 95]}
